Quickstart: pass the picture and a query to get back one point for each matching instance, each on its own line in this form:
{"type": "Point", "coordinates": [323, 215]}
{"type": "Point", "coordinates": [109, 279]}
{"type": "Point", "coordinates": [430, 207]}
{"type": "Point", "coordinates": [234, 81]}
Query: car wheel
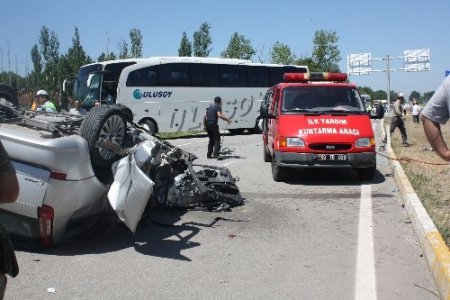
{"type": "Point", "coordinates": [366, 173]}
{"type": "Point", "coordinates": [278, 173]}
{"type": "Point", "coordinates": [106, 122]}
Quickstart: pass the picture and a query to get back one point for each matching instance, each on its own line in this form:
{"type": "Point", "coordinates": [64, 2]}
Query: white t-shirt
{"type": "Point", "coordinates": [438, 108]}
{"type": "Point", "coordinates": [415, 110]}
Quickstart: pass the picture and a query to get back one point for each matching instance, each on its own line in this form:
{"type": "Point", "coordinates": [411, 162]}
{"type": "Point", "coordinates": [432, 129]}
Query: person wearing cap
{"type": "Point", "coordinates": [397, 121]}
{"type": "Point", "coordinates": [43, 102]}
{"type": "Point", "coordinates": [436, 113]}
{"type": "Point", "coordinates": [213, 114]}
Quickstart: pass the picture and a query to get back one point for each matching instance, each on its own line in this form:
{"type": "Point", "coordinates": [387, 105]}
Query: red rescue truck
{"type": "Point", "coordinates": [316, 120]}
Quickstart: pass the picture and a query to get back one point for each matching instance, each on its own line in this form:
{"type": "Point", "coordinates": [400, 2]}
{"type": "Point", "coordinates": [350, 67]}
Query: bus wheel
{"type": "Point", "coordinates": [107, 122]}
{"type": "Point", "coordinates": [236, 131]}
{"type": "Point", "coordinates": [149, 126]}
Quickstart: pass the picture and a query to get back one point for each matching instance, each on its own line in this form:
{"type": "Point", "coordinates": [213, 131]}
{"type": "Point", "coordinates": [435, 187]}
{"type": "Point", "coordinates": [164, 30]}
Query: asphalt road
{"type": "Point", "coordinates": [322, 235]}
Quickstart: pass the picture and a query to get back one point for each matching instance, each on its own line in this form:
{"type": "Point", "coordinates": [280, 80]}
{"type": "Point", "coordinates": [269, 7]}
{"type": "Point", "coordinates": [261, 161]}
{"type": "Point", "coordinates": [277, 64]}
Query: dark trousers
{"type": "Point", "coordinates": [214, 139]}
{"type": "Point", "coordinates": [416, 119]}
{"type": "Point", "coordinates": [397, 122]}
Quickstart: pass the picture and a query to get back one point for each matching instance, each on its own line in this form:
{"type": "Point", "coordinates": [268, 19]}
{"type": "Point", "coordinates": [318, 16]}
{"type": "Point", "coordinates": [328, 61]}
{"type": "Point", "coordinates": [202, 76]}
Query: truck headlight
{"type": "Point", "coordinates": [365, 142]}
{"type": "Point", "coordinates": [294, 142]}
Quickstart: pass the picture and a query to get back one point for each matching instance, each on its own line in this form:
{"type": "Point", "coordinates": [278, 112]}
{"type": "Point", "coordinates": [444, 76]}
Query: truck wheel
{"type": "Point", "coordinates": [366, 173]}
{"type": "Point", "coordinates": [278, 173]}
{"type": "Point", "coordinates": [106, 122]}
{"type": "Point", "coordinates": [266, 154]}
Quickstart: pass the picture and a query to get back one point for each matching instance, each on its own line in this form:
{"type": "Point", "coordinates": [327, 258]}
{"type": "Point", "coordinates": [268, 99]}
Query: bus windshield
{"type": "Point", "coordinates": [103, 83]}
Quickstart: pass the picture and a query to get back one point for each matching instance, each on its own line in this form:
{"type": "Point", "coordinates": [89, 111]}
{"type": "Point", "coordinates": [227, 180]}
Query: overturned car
{"type": "Point", "coordinates": [72, 170]}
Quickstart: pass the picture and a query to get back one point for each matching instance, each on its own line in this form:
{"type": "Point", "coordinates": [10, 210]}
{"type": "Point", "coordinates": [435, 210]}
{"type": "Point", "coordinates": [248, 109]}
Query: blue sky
{"type": "Point", "coordinates": [378, 27]}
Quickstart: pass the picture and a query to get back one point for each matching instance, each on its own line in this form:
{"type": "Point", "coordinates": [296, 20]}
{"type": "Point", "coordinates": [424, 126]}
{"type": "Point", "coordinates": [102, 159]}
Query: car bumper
{"type": "Point", "coordinates": [311, 160]}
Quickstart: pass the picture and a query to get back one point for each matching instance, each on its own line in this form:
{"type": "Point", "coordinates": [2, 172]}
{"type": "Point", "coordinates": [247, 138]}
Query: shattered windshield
{"type": "Point", "coordinates": [318, 99]}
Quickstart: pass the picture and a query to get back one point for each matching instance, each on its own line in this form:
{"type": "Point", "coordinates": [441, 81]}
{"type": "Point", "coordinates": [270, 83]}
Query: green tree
{"type": "Point", "coordinates": [123, 49]}
{"type": "Point", "coordinates": [202, 41]}
{"type": "Point", "coordinates": [36, 73]}
{"type": "Point", "coordinates": [71, 62]}
{"type": "Point", "coordinates": [136, 43]}
{"type": "Point", "coordinates": [414, 94]}
{"type": "Point", "coordinates": [380, 95]}
{"type": "Point", "coordinates": [426, 96]}
{"type": "Point", "coordinates": [326, 54]}
{"type": "Point", "coordinates": [49, 50]}
{"type": "Point", "coordinates": [106, 56]}
{"type": "Point", "coordinates": [282, 54]}
{"type": "Point", "coordinates": [185, 46]}
{"type": "Point", "coordinates": [238, 47]}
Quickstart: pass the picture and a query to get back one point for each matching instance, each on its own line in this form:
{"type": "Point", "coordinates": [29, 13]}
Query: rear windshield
{"type": "Point", "coordinates": [321, 99]}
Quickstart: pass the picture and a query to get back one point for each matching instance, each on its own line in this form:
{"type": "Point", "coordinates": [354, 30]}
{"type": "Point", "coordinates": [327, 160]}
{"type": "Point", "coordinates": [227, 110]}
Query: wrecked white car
{"type": "Point", "coordinates": [73, 169]}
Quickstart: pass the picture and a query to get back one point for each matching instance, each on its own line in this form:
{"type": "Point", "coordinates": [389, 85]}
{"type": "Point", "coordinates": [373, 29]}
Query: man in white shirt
{"type": "Point", "coordinates": [77, 109]}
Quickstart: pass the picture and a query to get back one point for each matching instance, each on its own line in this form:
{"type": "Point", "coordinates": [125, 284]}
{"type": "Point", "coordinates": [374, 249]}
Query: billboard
{"type": "Point", "coordinates": [359, 64]}
{"type": "Point", "coordinates": [416, 60]}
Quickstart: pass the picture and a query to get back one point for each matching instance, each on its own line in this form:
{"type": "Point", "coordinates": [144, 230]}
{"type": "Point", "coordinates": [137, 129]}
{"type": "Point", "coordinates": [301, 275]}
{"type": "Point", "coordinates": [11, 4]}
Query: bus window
{"type": "Point", "coordinates": [143, 77]}
{"type": "Point", "coordinates": [113, 71]}
{"type": "Point", "coordinates": [233, 76]}
{"type": "Point", "coordinates": [258, 76]}
{"type": "Point", "coordinates": [174, 75]}
{"type": "Point", "coordinates": [204, 75]}
{"type": "Point", "coordinates": [276, 73]}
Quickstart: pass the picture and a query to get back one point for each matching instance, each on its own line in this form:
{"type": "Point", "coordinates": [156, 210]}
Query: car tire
{"type": "Point", "coordinates": [367, 173]}
{"type": "Point", "coordinates": [108, 122]}
{"type": "Point", "coordinates": [278, 173]}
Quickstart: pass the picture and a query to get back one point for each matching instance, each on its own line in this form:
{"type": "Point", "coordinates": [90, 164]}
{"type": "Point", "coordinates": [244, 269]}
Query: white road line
{"type": "Point", "coordinates": [228, 163]}
{"type": "Point", "coordinates": [365, 284]}
{"type": "Point", "coordinates": [198, 142]}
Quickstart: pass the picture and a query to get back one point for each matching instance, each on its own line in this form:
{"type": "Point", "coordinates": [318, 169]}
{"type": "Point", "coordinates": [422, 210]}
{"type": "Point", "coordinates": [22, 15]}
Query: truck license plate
{"type": "Point", "coordinates": [332, 157]}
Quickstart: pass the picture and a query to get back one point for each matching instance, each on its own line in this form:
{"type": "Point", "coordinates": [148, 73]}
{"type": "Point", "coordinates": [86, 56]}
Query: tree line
{"type": "Point", "coordinates": [51, 67]}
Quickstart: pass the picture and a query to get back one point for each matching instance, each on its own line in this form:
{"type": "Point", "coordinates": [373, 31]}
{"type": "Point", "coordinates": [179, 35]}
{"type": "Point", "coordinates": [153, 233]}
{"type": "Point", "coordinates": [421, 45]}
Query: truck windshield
{"type": "Point", "coordinates": [321, 99]}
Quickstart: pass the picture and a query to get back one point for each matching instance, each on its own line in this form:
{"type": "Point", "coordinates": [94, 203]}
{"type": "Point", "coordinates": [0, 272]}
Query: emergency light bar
{"type": "Point", "coordinates": [314, 76]}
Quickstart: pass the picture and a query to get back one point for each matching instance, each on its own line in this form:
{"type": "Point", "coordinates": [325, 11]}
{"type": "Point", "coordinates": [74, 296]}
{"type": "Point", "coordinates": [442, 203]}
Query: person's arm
{"type": "Point", "coordinates": [434, 136]}
{"type": "Point", "coordinates": [221, 116]}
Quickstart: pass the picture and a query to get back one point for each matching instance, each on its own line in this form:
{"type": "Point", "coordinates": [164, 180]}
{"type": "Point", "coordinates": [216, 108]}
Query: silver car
{"type": "Point", "coordinates": [73, 170]}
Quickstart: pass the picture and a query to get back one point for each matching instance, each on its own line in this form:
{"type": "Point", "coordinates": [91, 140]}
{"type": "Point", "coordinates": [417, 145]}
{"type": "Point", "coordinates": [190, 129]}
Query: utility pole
{"type": "Point", "coordinates": [413, 61]}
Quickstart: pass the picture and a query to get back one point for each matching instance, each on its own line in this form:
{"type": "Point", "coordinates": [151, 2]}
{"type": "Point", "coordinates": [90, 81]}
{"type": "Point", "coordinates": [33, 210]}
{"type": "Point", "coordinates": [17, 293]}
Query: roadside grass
{"type": "Point", "coordinates": [429, 174]}
{"type": "Point", "coordinates": [174, 135]}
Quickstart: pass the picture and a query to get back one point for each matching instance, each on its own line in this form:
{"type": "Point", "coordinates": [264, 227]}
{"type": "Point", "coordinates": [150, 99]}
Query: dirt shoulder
{"type": "Point", "coordinates": [427, 172]}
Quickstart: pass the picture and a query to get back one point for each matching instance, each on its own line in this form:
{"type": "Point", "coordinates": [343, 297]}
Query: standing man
{"type": "Point", "coordinates": [415, 111]}
{"type": "Point", "coordinates": [397, 121]}
{"type": "Point", "coordinates": [9, 190]}
{"type": "Point", "coordinates": [435, 113]}
{"type": "Point", "coordinates": [213, 113]}
{"type": "Point", "coordinates": [44, 103]}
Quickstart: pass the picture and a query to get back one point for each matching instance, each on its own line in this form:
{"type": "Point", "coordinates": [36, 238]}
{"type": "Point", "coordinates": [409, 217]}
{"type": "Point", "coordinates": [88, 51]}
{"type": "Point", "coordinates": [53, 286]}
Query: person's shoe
{"type": "Point", "coordinates": [406, 144]}
{"type": "Point", "coordinates": [209, 156]}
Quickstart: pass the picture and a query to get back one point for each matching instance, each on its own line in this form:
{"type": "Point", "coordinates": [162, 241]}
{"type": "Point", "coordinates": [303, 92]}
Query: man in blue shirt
{"type": "Point", "coordinates": [213, 113]}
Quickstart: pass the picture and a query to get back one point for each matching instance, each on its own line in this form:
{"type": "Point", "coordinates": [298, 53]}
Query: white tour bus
{"type": "Point", "coordinates": [170, 94]}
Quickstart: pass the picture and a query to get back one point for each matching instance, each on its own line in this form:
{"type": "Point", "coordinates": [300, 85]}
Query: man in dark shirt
{"type": "Point", "coordinates": [213, 114]}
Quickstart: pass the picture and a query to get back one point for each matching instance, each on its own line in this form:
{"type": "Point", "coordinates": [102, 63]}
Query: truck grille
{"type": "Point", "coordinates": [330, 147]}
